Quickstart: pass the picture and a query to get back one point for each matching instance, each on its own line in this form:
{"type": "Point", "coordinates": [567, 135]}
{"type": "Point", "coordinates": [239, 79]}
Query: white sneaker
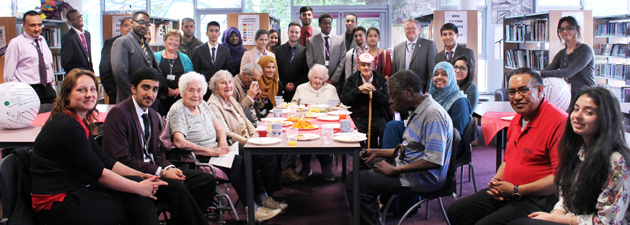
{"type": "Point", "coordinates": [264, 213]}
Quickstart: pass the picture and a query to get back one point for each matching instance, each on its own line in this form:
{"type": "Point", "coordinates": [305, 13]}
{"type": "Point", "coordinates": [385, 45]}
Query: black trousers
{"type": "Point", "coordinates": [480, 208]}
{"type": "Point", "coordinates": [373, 184]}
{"type": "Point", "coordinates": [187, 201]}
{"type": "Point", "coordinates": [266, 176]}
{"type": "Point", "coordinates": [378, 128]}
{"type": "Point", "coordinates": [529, 221]}
{"type": "Point", "coordinates": [46, 94]}
{"type": "Point", "coordinates": [99, 205]}
{"type": "Point", "coordinates": [287, 161]}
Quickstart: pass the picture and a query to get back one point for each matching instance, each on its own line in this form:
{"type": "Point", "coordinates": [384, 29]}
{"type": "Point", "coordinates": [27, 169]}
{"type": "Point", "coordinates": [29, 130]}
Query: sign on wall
{"type": "Point", "coordinates": [459, 18]}
{"type": "Point", "coordinates": [248, 25]}
{"type": "Point", "coordinates": [116, 25]}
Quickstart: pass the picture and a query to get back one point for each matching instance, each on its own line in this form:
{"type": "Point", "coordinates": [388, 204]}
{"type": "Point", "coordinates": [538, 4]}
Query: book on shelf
{"type": "Point", "coordinates": [52, 36]}
{"type": "Point", "coordinates": [622, 93]}
{"type": "Point", "coordinates": [527, 30]}
{"type": "Point", "coordinates": [609, 70]}
{"type": "Point", "coordinates": [619, 50]}
{"type": "Point", "coordinates": [612, 29]}
{"type": "Point", "coordinates": [535, 59]}
{"type": "Point", "coordinates": [57, 68]}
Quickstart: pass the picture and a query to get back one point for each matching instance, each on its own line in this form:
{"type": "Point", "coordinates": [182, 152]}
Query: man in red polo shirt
{"type": "Point", "coordinates": [524, 182]}
{"type": "Point", "coordinates": [306, 16]}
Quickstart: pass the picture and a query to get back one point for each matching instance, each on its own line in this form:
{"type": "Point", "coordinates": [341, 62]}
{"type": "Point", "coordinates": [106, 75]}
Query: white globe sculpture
{"type": "Point", "coordinates": [19, 105]}
{"type": "Point", "coordinates": [557, 92]}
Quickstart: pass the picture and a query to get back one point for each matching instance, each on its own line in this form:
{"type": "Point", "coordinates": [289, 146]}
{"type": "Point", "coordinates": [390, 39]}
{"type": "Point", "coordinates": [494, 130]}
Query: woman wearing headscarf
{"type": "Point", "coordinates": [233, 40]}
{"type": "Point", "coordinates": [269, 84]}
{"type": "Point", "coordinates": [445, 91]}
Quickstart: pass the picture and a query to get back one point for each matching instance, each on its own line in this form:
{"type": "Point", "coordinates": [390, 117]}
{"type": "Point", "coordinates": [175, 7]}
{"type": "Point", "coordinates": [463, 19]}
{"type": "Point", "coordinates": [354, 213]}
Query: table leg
{"type": "Point", "coordinates": [501, 140]}
{"type": "Point", "coordinates": [355, 186]}
{"type": "Point", "coordinates": [249, 181]}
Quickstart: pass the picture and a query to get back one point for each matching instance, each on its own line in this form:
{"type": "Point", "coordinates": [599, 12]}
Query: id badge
{"type": "Point", "coordinates": [327, 63]}
{"type": "Point", "coordinates": [170, 77]}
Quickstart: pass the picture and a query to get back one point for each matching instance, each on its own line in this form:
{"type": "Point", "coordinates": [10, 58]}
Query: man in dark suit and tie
{"type": "Point", "coordinates": [326, 49]}
{"type": "Point", "coordinates": [452, 50]}
{"type": "Point", "coordinates": [105, 68]}
{"type": "Point", "coordinates": [75, 44]}
{"type": "Point", "coordinates": [307, 31]}
{"type": "Point", "coordinates": [416, 53]}
{"type": "Point", "coordinates": [291, 57]}
{"type": "Point", "coordinates": [211, 57]}
{"type": "Point", "coordinates": [131, 136]}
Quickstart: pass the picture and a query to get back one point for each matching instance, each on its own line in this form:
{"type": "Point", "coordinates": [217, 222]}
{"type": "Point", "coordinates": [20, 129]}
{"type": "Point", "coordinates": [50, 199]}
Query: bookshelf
{"type": "Point", "coordinates": [159, 27]}
{"type": "Point", "coordinates": [610, 44]}
{"type": "Point", "coordinates": [431, 23]}
{"type": "Point", "coordinates": [52, 32]}
{"type": "Point", "coordinates": [531, 40]}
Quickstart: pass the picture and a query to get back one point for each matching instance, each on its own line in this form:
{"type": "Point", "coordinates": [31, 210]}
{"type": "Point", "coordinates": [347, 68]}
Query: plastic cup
{"type": "Point", "coordinates": [343, 114]}
{"type": "Point", "coordinates": [292, 136]}
{"type": "Point", "coordinates": [327, 134]}
{"type": "Point", "coordinates": [345, 126]}
{"type": "Point", "coordinates": [277, 112]}
{"type": "Point", "coordinates": [276, 128]}
{"type": "Point", "coordinates": [262, 133]}
{"type": "Point", "coordinates": [334, 102]}
{"type": "Point", "coordinates": [304, 101]}
{"type": "Point", "coordinates": [279, 100]}
{"type": "Point", "coordinates": [293, 108]}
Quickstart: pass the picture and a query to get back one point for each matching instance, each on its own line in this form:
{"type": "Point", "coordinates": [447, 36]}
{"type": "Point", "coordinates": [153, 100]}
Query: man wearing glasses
{"type": "Point", "coordinates": [416, 54]}
{"type": "Point", "coordinates": [76, 51]}
{"type": "Point", "coordinates": [524, 183]}
{"type": "Point", "coordinates": [130, 53]}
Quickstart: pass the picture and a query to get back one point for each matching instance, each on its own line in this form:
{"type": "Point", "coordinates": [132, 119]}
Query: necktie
{"type": "Point", "coordinates": [213, 50]}
{"type": "Point", "coordinates": [43, 77]}
{"type": "Point", "coordinates": [292, 53]}
{"type": "Point", "coordinates": [85, 47]}
{"type": "Point", "coordinates": [449, 56]}
{"type": "Point", "coordinates": [147, 126]}
{"type": "Point", "coordinates": [146, 52]}
{"type": "Point", "coordinates": [327, 48]}
{"type": "Point", "coordinates": [305, 38]}
{"type": "Point", "coordinates": [409, 54]}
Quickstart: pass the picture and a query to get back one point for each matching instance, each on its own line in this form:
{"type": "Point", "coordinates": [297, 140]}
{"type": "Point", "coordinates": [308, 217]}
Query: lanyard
{"type": "Point", "coordinates": [171, 62]}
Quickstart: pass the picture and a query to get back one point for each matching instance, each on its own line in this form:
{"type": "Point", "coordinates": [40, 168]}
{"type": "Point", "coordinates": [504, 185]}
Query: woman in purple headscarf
{"type": "Point", "coordinates": [233, 40]}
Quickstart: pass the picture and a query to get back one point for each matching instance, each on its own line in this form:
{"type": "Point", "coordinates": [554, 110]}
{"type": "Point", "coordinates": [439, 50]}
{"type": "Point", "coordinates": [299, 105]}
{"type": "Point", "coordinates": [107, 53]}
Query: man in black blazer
{"type": "Point", "coordinates": [291, 57]}
{"type": "Point", "coordinates": [452, 50]}
{"type": "Point", "coordinates": [211, 57]}
{"type": "Point", "coordinates": [105, 68]}
{"type": "Point", "coordinates": [126, 139]}
{"type": "Point", "coordinates": [75, 44]}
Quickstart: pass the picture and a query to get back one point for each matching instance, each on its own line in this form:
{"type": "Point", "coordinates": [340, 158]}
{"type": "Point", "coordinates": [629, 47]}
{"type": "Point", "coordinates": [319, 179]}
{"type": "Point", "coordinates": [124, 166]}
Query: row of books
{"type": "Point", "coordinates": [614, 49]}
{"type": "Point", "coordinates": [530, 30]}
{"type": "Point", "coordinates": [618, 71]}
{"type": "Point", "coordinates": [536, 59]}
{"type": "Point", "coordinates": [158, 31]}
{"type": "Point", "coordinates": [622, 93]}
{"type": "Point", "coordinates": [57, 64]}
{"type": "Point", "coordinates": [613, 29]}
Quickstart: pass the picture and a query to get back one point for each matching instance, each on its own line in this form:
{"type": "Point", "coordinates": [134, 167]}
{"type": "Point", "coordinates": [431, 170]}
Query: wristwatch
{"type": "Point", "coordinates": [516, 195]}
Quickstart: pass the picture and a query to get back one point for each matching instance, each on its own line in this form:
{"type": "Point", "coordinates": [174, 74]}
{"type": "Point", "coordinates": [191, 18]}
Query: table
{"type": "Point", "coordinates": [494, 107]}
{"type": "Point", "coordinates": [303, 147]}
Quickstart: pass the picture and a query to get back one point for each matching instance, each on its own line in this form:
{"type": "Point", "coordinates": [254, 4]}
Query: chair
{"type": "Point", "coordinates": [16, 208]}
{"type": "Point", "coordinates": [500, 95]}
{"type": "Point", "coordinates": [466, 154]}
{"type": "Point", "coordinates": [449, 188]}
{"type": "Point", "coordinates": [185, 158]}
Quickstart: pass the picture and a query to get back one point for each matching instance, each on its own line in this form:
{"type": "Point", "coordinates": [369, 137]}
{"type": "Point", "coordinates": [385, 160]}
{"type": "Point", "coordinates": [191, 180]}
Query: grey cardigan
{"type": "Point", "coordinates": [578, 67]}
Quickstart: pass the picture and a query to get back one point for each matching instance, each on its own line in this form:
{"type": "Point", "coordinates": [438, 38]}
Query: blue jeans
{"type": "Point", "coordinates": [393, 134]}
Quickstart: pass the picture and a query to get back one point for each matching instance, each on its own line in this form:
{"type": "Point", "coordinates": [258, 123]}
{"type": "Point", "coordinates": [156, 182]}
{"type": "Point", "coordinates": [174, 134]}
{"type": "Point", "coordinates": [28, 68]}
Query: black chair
{"type": "Point", "coordinates": [500, 95]}
{"type": "Point", "coordinates": [449, 188]}
{"type": "Point", "coordinates": [15, 188]}
{"type": "Point", "coordinates": [466, 154]}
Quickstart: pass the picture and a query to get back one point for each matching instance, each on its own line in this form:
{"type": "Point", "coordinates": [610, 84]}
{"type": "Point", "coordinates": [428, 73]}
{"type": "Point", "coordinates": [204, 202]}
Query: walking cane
{"type": "Point", "coordinates": [370, 121]}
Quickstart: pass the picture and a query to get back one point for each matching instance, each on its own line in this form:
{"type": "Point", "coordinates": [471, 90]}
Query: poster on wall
{"type": "Point", "coordinates": [116, 25]}
{"type": "Point", "coordinates": [248, 25]}
{"type": "Point", "coordinates": [459, 18]}
{"type": "Point", "coordinates": [504, 8]}
{"type": "Point", "coordinates": [3, 41]}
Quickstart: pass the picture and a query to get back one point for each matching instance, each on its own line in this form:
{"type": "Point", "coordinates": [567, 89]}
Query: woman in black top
{"type": "Point", "coordinates": [173, 64]}
{"type": "Point", "coordinates": [73, 180]}
{"type": "Point", "coordinates": [576, 62]}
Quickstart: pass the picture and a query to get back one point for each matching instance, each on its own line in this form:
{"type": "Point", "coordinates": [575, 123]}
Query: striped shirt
{"type": "Point", "coordinates": [198, 129]}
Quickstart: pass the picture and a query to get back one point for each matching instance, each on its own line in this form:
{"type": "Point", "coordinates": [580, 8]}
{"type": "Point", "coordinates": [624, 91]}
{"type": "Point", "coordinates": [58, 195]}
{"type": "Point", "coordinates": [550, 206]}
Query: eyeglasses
{"type": "Point", "coordinates": [569, 28]}
{"type": "Point", "coordinates": [78, 17]}
{"type": "Point", "coordinates": [460, 68]}
{"type": "Point", "coordinates": [142, 22]}
{"type": "Point", "coordinates": [522, 90]}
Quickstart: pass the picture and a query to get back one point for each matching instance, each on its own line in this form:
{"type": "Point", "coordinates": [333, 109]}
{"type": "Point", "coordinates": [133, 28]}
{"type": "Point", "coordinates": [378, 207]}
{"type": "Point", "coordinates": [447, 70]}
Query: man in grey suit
{"type": "Point", "coordinates": [326, 49]}
{"type": "Point", "coordinates": [452, 50]}
{"type": "Point", "coordinates": [130, 53]}
{"type": "Point", "coordinates": [416, 53]}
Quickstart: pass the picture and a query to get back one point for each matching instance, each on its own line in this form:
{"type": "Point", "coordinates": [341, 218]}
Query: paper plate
{"type": "Point", "coordinates": [328, 118]}
{"type": "Point", "coordinates": [348, 138]}
{"type": "Point", "coordinates": [307, 137]}
{"type": "Point", "coordinates": [286, 123]}
{"type": "Point", "coordinates": [507, 118]}
{"type": "Point", "coordinates": [332, 125]}
{"type": "Point", "coordinates": [267, 119]}
{"type": "Point", "coordinates": [314, 114]}
{"type": "Point", "coordinates": [336, 113]}
{"type": "Point", "coordinates": [264, 140]}
{"type": "Point", "coordinates": [314, 128]}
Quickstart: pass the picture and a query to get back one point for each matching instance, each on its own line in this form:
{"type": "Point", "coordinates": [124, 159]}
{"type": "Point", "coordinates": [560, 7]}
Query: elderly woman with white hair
{"type": "Point", "coordinates": [227, 109]}
{"type": "Point", "coordinates": [193, 125]}
{"type": "Point", "coordinates": [316, 90]}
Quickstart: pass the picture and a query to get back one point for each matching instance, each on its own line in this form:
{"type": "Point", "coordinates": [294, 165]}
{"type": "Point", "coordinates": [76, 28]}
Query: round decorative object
{"type": "Point", "coordinates": [19, 105]}
{"type": "Point", "coordinates": [557, 92]}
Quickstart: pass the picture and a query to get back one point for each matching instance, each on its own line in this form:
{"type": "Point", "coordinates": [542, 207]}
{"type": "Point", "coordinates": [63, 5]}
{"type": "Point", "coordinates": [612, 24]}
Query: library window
{"type": "Point", "coordinates": [25, 6]}
{"type": "Point", "coordinates": [455, 3]}
{"type": "Point", "coordinates": [206, 4]}
{"type": "Point", "coordinates": [280, 9]}
{"type": "Point", "coordinates": [339, 2]}
{"type": "Point", "coordinates": [606, 7]}
{"type": "Point", "coordinates": [172, 9]}
{"type": "Point", "coordinates": [125, 5]}
{"type": "Point", "coordinates": [560, 3]}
